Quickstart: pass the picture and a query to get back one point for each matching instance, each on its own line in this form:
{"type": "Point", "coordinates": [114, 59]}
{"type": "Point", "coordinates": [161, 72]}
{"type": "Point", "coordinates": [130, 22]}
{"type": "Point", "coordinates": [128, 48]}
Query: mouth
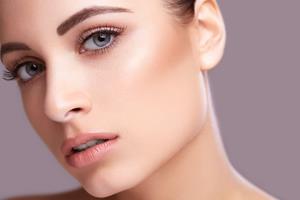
{"type": "Point", "coordinates": [89, 144]}
{"type": "Point", "coordinates": [85, 141]}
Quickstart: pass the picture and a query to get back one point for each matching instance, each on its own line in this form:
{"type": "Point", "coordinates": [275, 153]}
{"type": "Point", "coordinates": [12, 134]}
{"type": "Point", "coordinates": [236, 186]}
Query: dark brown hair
{"type": "Point", "coordinates": [182, 9]}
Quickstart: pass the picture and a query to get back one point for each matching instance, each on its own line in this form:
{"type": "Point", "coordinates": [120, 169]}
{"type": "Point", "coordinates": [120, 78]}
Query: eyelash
{"type": "Point", "coordinates": [106, 29]}
{"type": "Point", "coordinates": [112, 31]}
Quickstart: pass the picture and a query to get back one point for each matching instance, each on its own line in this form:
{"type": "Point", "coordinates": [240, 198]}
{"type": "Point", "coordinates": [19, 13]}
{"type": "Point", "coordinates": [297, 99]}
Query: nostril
{"type": "Point", "coordinates": [76, 109]}
{"type": "Point", "coordinates": [72, 112]}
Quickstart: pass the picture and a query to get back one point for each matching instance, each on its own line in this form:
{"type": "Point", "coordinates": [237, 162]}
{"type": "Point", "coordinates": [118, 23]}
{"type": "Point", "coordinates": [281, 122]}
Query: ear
{"type": "Point", "coordinates": [209, 33]}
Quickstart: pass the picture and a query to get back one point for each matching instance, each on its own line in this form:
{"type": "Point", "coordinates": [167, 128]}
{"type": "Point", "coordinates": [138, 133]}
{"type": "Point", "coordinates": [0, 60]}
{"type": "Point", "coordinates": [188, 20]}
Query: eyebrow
{"type": "Point", "coordinates": [13, 46]}
{"type": "Point", "coordinates": [86, 13]}
{"type": "Point", "coordinates": [65, 26]}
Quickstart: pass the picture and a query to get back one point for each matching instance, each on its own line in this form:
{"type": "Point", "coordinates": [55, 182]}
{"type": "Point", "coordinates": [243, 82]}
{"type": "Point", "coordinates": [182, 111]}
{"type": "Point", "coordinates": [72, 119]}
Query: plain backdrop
{"type": "Point", "coordinates": [255, 90]}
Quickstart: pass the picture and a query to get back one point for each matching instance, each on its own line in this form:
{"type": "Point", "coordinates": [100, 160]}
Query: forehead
{"type": "Point", "coordinates": [19, 16]}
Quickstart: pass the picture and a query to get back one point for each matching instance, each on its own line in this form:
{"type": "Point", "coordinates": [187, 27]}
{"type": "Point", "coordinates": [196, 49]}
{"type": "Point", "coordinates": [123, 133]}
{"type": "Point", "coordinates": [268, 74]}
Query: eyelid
{"type": "Point", "coordinates": [116, 30]}
{"type": "Point", "coordinates": [18, 63]}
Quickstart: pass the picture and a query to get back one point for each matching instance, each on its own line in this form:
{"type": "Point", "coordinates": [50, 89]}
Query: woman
{"type": "Point", "coordinates": [119, 93]}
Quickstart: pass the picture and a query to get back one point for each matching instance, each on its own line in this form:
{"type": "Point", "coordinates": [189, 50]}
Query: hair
{"type": "Point", "coordinates": [181, 9]}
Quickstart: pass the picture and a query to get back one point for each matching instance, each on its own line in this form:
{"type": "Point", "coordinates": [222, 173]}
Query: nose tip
{"type": "Point", "coordinates": [65, 109]}
{"type": "Point", "coordinates": [66, 89]}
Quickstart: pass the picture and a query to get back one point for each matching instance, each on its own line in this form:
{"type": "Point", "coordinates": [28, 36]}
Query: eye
{"type": "Point", "coordinates": [28, 70]}
{"type": "Point", "coordinates": [99, 39]}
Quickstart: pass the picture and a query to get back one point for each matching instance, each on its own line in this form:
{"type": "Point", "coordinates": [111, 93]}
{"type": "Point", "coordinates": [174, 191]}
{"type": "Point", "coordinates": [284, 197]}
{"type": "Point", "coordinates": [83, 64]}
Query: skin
{"type": "Point", "coordinates": [151, 88]}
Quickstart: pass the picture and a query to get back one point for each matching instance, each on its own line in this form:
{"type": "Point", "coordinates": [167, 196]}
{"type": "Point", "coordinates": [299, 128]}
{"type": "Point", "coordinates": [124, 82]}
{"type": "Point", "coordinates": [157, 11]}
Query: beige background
{"type": "Point", "coordinates": [256, 95]}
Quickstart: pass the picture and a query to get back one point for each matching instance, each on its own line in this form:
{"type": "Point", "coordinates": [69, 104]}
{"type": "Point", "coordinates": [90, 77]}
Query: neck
{"type": "Point", "coordinates": [201, 170]}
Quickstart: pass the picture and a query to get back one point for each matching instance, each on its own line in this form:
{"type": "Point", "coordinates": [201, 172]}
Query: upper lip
{"type": "Point", "coordinates": [82, 138]}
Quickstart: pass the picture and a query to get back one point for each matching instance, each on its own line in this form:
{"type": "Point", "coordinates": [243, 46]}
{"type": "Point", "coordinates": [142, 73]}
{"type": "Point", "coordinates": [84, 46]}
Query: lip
{"type": "Point", "coordinates": [68, 144]}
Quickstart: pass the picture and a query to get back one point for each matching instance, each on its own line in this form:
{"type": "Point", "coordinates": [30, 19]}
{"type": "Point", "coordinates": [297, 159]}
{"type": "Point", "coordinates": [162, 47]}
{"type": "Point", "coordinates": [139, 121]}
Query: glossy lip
{"type": "Point", "coordinates": [91, 155]}
{"type": "Point", "coordinates": [68, 144]}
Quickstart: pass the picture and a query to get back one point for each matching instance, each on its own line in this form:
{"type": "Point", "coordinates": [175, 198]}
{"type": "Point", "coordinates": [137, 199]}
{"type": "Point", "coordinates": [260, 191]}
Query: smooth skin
{"type": "Point", "coordinates": [151, 87]}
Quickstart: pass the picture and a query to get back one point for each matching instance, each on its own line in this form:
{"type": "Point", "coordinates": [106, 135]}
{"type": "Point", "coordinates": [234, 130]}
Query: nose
{"type": "Point", "coordinates": [66, 96]}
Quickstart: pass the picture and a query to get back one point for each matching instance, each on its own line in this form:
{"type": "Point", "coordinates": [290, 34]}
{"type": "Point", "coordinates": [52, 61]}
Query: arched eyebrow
{"type": "Point", "coordinates": [12, 46]}
{"type": "Point", "coordinates": [86, 13]}
{"type": "Point", "coordinates": [65, 26]}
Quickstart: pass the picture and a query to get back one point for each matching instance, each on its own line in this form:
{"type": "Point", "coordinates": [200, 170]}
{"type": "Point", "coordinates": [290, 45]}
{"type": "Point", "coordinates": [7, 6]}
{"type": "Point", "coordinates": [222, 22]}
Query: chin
{"type": "Point", "coordinates": [107, 182]}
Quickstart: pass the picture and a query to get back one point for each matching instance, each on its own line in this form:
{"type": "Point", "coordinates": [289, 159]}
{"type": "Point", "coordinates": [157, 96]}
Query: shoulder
{"type": "Point", "coordinates": [31, 197]}
{"type": "Point", "coordinates": [252, 192]}
{"type": "Point", "coordinates": [27, 198]}
{"type": "Point", "coordinates": [75, 194]}
{"type": "Point", "coordinates": [39, 197]}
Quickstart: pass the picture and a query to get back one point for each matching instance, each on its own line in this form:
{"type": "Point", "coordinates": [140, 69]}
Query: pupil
{"type": "Point", "coordinates": [31, 69]}
{"type": "Point", "coordinates": [101, 39]}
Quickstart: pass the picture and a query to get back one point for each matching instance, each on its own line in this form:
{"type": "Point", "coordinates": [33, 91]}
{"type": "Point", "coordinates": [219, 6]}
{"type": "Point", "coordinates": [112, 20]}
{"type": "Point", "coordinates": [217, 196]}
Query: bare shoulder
{"type": "Point", "coordinates": [252, 192]}
{"type": "Point", "coordinates": [261, 195]}
{"type": "Point", "coordinates": [76, 194]}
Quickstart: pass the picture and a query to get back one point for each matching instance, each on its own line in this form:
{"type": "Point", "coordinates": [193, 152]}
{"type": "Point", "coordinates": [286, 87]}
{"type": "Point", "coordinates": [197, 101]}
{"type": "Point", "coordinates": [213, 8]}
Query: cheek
{"type": "Point", "coordinates": [165, 103]}
{"type": "Point", "coordinates": [165, 113]}
{"type": "Point", "coordinates": [33, 103]}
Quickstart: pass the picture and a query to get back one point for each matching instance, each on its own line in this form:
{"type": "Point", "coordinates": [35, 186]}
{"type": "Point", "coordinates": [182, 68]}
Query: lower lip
{"type": "Point", "coordinates": [90, 155]}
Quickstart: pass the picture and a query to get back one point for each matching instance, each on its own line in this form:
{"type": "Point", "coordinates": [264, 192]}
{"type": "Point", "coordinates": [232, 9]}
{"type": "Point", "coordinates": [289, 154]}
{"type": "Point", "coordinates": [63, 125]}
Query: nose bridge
{"type": "Point", "coordinates": [66, 96]}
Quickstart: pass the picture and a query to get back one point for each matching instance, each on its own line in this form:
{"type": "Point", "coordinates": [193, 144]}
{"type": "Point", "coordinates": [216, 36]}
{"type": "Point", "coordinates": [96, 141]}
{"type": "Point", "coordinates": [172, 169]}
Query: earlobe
{"type": "Point", "coordinates": [210, 34]}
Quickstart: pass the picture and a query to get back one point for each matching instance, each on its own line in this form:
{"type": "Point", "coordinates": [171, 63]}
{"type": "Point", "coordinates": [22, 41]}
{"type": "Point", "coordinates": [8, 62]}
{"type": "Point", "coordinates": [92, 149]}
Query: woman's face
{"type": "Point", "coordinates": [141, 81]}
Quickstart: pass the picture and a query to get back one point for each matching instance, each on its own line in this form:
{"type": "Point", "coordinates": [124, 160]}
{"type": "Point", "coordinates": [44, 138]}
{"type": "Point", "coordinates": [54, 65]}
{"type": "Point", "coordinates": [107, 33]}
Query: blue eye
{"type": "Point", "coordinates": [28, 70]}
{"type": "Point", "coordinates": [24, 70]}
{"type": "Point", "coordinates": [94, 40]}
{"type": "Point", "coordinates": [99, 39]}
